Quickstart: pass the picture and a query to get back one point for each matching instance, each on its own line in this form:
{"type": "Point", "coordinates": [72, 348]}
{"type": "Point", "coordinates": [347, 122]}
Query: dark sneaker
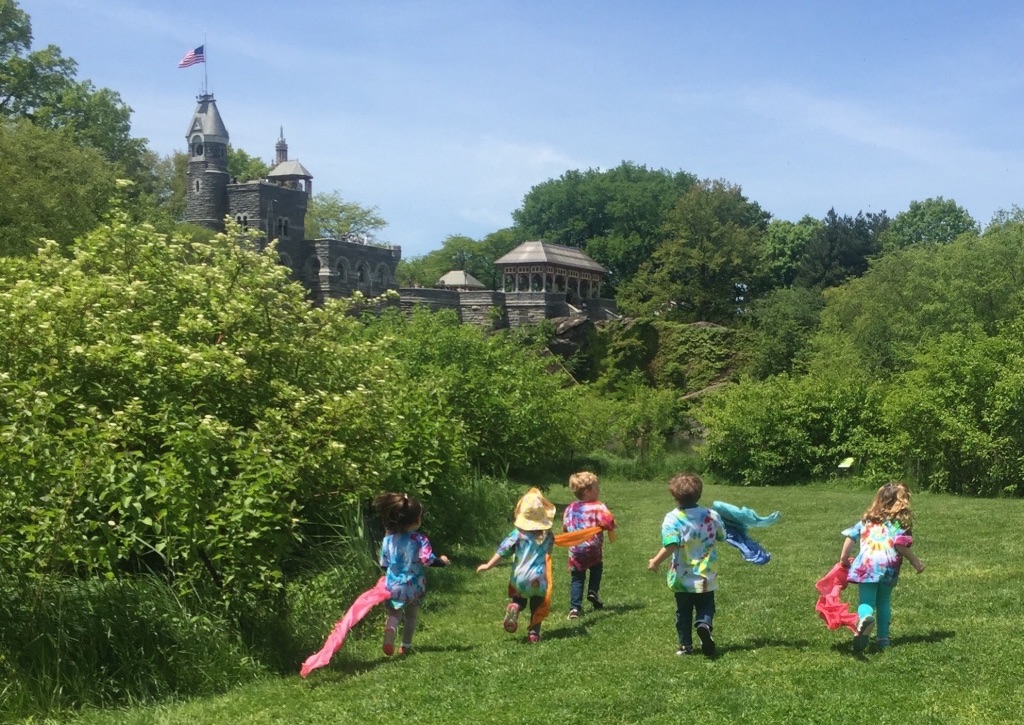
{"type": "Point", "coordinates": [405, 649]}
{"type": "Point", "coordinates": [684, 649]}
{"type": "Point", "coordinates": [595, 600]}
{"type": "Point", "coordinates": [574, 614]}
{"type": "Point", "coordinates": [511, 623]}
{"type": "Point", "coordinates": [707, 642]}
{"type": "Point", "coordinates": [389, 641]}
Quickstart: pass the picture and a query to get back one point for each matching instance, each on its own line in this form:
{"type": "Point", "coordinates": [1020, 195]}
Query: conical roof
{"type": "Point", "coordinates": [207, 121]}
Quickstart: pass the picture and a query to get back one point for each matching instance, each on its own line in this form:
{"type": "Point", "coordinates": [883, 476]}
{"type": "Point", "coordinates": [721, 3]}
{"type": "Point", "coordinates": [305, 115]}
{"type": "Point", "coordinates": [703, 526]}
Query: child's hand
{"type": "Point", "coordinates": [446, 560]}
{"type": "Point", "coordinates": [482, 567]}
{"type": "Point", "coordinates": [652, 564]}
{"type": "Point", "coordinates": [918, 565]}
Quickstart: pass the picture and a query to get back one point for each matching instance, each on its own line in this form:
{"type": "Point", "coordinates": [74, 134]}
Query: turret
{"type": "Point", "coordinates": [207, 197]}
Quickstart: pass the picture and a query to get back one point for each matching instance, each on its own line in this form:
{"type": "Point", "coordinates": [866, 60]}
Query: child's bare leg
{"type": "Point", "coordinates": [390, 628]}
{"type": "Point", "coordinates": [412, 613]}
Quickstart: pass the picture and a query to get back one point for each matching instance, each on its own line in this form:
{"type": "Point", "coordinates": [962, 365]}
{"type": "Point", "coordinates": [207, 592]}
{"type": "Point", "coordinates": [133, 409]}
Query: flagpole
{"type": "Point", "coordinates": [206, 56]}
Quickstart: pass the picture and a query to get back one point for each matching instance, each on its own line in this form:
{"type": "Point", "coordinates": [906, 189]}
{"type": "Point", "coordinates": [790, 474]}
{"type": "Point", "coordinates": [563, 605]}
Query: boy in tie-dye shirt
{"type": "Point", "coordinates": [688, 535]}
{"type": "Point", "coordinates": [585, 512]}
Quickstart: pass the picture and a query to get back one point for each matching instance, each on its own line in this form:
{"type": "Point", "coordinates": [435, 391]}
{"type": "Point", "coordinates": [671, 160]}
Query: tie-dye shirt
{"type": "Point", "coordinates": [877, 560]}
{"type": "Point", "coordinates": [529, 563]}
{"type": "Point", "coordinates": [695, 563]}
{"type": "Point", "coordinates": [581, 515]}
{"type": "Point", "coordinates": [404, 557]}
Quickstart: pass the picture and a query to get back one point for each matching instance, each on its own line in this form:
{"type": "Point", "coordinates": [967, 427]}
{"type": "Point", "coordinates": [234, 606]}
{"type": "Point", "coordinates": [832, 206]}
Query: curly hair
{"type": "Point", "coordinates": [398, 511]}
{"type": "Point", "coordinates": [891, 503]}
{"type": "Point", "coordinates": [581, 482]}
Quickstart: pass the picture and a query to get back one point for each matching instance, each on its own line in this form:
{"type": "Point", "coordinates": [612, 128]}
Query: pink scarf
{"type": "Point", "coordinates": [359, 609]}
{"type": "Point", "coordinates": [830, 607]}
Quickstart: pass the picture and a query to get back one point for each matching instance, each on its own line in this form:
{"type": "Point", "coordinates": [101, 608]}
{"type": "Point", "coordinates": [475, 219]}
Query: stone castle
{"type": "Point", "coordinates": [540, 280]}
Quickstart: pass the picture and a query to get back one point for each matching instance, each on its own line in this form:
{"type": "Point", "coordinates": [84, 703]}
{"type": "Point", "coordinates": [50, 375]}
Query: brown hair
{"type": "Point", "coordinates": [398, 511]}
{"type": "Point", "coordinates": [891, 503]}
{"type": "Point", "coordinates": [686, 488]}
{"type": "Point", "coordinates": [582, 482]}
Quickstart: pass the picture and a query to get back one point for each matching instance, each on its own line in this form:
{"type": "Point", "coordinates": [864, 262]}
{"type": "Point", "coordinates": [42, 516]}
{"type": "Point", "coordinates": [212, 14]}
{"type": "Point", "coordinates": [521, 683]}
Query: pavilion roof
{"type": "Point", "coordinates": [460, 278]}
{"type": "Point", "coordinates": [538, 252]}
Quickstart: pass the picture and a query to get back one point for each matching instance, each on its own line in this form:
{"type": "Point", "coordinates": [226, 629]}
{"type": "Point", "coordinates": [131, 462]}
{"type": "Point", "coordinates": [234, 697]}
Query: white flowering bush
{"type": "Point", "coordinates": [178, 407]}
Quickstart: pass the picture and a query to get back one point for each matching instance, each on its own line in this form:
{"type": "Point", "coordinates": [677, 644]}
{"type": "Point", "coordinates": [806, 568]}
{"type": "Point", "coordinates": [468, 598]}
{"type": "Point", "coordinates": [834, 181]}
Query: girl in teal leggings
{"type": "Point", "coordinates": [883, 534]}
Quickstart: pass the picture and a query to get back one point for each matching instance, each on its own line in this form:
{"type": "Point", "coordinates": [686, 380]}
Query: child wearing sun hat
{"type": "Point", "coordinates": [529, 545]}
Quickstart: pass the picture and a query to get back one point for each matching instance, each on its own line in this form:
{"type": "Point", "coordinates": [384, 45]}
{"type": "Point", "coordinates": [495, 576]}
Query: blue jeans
{"type": "Point", "coordinates": [686, 604]}
{"type": "Point", "coordinates": [875, 598]}
{"type": "Point", "coordinates": [578, 580]}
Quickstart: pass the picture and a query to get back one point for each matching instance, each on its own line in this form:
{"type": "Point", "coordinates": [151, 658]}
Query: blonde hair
{"type": "Point", "coordinates": [686, 488]}
{"type": "Point", "coordinates": [891, 503]}
{"type": "Point", "coordinates": [581, 482]}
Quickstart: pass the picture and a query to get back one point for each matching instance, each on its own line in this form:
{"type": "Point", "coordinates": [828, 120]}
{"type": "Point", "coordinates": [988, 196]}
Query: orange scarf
{"type": "Point", "coordinates": [568, 539]}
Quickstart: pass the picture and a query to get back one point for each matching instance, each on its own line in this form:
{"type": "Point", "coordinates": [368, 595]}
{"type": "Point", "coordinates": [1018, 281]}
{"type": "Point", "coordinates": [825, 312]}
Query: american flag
{"type": "Point", "coordinates": [196, 55]}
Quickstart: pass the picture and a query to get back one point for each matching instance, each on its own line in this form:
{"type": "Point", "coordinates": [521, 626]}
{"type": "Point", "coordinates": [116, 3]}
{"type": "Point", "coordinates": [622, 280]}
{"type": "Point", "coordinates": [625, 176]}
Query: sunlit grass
{"type": "Point", "coordinates": [955, 657]}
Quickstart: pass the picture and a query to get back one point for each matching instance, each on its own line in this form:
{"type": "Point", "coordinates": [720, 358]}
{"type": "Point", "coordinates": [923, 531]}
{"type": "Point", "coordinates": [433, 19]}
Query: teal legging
{"type": "Point", "coordinates": [875, 598]}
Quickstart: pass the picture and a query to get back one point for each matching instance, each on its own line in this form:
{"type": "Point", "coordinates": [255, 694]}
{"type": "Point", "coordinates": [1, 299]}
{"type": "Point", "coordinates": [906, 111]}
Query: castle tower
{"type": "Point", "coordinates": [206, 200]}
{"type": "Point", "coordinates": [281, 149]}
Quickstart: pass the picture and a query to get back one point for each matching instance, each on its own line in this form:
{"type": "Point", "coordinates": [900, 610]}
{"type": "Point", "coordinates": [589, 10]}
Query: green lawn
{"type": "Point", "coordinates": [955, 658]}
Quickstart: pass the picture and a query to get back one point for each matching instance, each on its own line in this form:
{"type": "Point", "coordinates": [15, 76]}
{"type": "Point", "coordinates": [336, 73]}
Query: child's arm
{"type": "Point", "coordinates": [489, 563]}
{"type": "Point", "coordinates": [441, 561]}
{"type": "Point", "coordinates": [911, 557]}
{"type": "Point", "coordinates": [844, 555]}
{"type": "Point", "coordinates": [664, 553]}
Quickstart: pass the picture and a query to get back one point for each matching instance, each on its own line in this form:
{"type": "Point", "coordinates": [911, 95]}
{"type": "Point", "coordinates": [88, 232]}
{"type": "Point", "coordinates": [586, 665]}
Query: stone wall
{"type": "Point", "coordinates": [530, 308]}
{"type": "Point", "coordinates": [259, 204]}
{"type": "Point", "coordinates": [478, 308]}
{"type": "Point", "coordinates": [432, 299]}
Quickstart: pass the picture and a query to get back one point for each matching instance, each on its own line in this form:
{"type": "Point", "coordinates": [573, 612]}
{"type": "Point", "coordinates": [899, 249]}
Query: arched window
{"type": "Point", "coordinates": [197, 184]}
{"type": "Point", "coordinates": [364, 275]}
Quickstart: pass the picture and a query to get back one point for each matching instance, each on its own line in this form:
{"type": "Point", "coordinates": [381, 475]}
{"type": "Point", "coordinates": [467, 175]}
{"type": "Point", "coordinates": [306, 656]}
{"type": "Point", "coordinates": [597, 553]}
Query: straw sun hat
{"type": "Point", "coordinates": [534, 512]}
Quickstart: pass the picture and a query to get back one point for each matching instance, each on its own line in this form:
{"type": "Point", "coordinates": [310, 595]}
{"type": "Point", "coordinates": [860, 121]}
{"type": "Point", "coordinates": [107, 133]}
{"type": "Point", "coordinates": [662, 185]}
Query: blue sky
{"type": "Point", "coordinates": [444, 114]}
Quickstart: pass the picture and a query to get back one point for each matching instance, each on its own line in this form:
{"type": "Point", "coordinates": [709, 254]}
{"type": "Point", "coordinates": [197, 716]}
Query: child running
{"type": "Point", "coordinates": [529, 545]}
{"type": "Point", "coordinates": [583, 513]}
{"type": "Point", "coordinates": [688, 535]}
{"type": "Point", "coordinates": [403, 555]}
{"type": "Point", "coordinates": [883, 534]}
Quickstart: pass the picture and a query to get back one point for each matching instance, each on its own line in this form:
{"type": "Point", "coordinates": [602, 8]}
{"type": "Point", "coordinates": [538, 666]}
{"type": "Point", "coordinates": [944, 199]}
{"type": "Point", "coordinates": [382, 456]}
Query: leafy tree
{"type": "Point", "coordinates": [40, 86]}
{"type": "Point", "coordinates": [330, 216]}
{"type": "Point", "coordinates": [52, 188]}
{"type": "Point", "coordinates": [1003, 217]}
{"type": "Point", "coordinates": [783, 246]}
{"type": "Point", "coordinates": [244, 167]}
{"type": "Point", "coordinates": [932, 221]}
{"type": "Point", "coordinates": [615, 215]}
{"type": "Point", "coordinates": [840, 249]}
{"type": "Point", "coordinates": [29, 80]}
{"type": "Point", "coordinates": [704, 269]}
{"type": "Point", "coordinates": [456, 252]}
{"type": "Point", "coordinates": [781, 324]}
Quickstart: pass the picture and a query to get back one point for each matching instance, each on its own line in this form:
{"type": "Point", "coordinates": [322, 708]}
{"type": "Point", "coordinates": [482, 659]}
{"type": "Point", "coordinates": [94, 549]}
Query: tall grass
{"type": "Point", "coordinates": [69, 642]}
